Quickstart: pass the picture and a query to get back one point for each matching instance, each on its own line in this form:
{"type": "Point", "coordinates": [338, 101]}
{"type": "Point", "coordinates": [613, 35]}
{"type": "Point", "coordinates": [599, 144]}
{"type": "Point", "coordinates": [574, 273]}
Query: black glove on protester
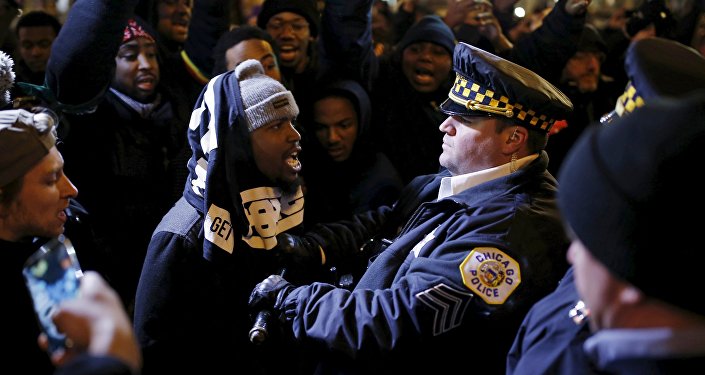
{"type": "Point", "coordinates": [299, 251]}
{"type": "Point", "coordinates": [270, 295]}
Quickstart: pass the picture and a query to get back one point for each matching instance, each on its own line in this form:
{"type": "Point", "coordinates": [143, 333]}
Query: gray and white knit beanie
{"type": "Point", "coordinates": [264, 98]}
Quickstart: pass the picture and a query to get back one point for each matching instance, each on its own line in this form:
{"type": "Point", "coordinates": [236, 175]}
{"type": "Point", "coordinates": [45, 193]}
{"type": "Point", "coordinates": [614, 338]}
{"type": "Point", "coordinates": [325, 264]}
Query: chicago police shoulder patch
{"type": "Point", "coordinates": [491, 274]}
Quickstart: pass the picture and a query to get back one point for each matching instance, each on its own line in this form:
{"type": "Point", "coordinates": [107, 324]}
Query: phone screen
{"type": "Point", "coordinates": [52, 274]}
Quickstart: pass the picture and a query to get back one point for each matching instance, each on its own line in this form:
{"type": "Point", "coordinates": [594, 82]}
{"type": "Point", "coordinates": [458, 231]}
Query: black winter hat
{"type": "Point", "coordinates": [591, 40]}
{"type": "Point", "coordinates": [430, 28]}
{"type": "Point", "coordinates": [623, 191]}
{"type": "Point", "coordinates": [306, 8]}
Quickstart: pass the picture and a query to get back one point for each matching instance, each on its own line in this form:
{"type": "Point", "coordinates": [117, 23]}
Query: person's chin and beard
{"type": "Point", "coordinates": [290, 187]}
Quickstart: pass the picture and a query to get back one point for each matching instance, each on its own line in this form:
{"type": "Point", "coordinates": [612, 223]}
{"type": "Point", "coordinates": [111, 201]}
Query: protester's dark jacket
{"type": "Point", "coordinates": [416, 300]}
{"type": "Point", "coordinates": [212, 247]}
{"type": "Point", "coordinates": [119, 163]}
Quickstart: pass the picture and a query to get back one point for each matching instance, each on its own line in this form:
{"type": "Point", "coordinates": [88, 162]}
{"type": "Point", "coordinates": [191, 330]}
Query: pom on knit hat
{"type": "Point", "coordinates": [7, 78]}
{"type": "Point", "coordinates": [264, 98]}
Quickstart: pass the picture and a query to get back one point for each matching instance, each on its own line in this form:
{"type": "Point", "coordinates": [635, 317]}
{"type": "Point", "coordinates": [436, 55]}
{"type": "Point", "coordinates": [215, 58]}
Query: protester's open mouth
{"type": "Point", "coordinates": [293, 161]}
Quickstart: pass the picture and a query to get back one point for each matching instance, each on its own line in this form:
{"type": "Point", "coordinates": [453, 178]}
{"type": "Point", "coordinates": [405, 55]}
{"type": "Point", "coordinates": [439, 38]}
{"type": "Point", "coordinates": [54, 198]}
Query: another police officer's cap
{"type": "Point", "coordinates": [486, 84]}
{"type": "Point", "coordinates": [25, 138]}
{"type": "Point", "coordinates": [659, 67]}
{"type": "Point", "coordinates": [623, 192]}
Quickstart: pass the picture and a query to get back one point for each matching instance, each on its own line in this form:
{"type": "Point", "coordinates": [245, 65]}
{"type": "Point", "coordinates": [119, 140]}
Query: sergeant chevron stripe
{"type": "Point", "coordinates": [449, 305]}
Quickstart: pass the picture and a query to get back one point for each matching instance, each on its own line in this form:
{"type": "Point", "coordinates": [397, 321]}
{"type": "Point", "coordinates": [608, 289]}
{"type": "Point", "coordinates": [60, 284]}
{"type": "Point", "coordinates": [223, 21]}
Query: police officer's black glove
{"type": "Point", "coordinates": [270, 295]}
{"type": "Point", "coordinates": [301, 252]}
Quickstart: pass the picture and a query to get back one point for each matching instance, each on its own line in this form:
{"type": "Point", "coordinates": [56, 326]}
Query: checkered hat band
{"type": "Point", "coordinates": [479, 98]}
{"type": "Point", "coordinates": [629, 100]}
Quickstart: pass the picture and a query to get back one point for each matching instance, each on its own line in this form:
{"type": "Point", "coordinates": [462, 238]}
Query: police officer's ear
{"type": "Point", "coordinates": [517, 135]}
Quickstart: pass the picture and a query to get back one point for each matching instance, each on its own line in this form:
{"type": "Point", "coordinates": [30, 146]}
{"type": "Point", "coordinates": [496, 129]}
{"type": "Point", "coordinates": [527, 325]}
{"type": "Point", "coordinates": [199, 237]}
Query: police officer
{"type": "Point", "coordinates": [634, 253]}
{"type": "Point", "coordinates": [481, 241]}
{"type": "Point", "coordinates": [550, 340]}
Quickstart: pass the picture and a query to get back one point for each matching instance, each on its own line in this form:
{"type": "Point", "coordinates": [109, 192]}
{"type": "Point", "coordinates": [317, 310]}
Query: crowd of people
{"type": "Point", "coordinates": [380, 190]}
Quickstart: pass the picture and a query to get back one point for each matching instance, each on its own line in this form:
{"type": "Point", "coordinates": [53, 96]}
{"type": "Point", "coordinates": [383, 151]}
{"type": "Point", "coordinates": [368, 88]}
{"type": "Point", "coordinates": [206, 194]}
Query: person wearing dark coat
{"type": "Point", "coordinates": [551, 337]}
{"type": "Point", "coordinates": [468, 250]}
{"type": "Point", "coordinates": [63, 92]}
{"type": "Point", "coordinates": [124, 150]}
{"type": "Point", "coordinates": [35, 203]}
{"type": "Point", "coordinates": [625, 215]}
{"type": "Point", "coordinates": [217, 241]}
{"type": "Point", "coordinates": [344, 173]}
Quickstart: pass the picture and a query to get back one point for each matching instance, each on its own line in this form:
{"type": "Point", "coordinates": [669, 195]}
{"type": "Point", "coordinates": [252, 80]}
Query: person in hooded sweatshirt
{"type": "Point", "coordinates": [344, 173]}
{"type": "Point", "coordinates": [211, 248]}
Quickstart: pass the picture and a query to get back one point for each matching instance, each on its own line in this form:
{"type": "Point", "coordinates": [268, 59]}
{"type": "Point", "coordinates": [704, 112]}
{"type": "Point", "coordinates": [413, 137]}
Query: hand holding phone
{"type": "Point", "coordinates": [52, 275]}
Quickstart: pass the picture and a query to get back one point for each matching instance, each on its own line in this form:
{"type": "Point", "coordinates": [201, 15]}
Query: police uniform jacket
{"type": "Point", "coordinates": [451, 289]}
{"type": "Point", "coordinates": [548, 341]}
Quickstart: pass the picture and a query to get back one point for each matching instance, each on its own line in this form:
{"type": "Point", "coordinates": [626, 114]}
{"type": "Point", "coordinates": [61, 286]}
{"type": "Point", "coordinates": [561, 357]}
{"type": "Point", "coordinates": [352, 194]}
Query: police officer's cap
{"type": "Point", "coordinates": [486, 84]}
{"type": "Point", "coordinates": [659, 67]}
{"type": "Point", "coordinates": [624, 189]}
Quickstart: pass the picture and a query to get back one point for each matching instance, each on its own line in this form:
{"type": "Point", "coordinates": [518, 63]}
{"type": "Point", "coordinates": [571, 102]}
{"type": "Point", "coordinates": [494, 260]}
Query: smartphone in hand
{"type": "Point", "coordinates": [52, 275]}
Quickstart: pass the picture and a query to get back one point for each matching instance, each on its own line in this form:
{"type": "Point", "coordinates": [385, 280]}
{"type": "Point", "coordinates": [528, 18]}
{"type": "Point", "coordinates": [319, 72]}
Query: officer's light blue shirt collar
{"type": "Point", "coordinates": [456, 184]}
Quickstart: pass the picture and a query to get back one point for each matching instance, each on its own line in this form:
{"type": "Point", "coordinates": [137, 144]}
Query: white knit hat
{"type": "Point", "coordinates": [264, 98]}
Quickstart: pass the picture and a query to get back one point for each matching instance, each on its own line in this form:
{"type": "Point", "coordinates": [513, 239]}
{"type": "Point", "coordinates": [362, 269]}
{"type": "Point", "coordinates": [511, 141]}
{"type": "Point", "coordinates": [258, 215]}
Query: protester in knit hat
{"type": "Point", "coordinates": [243, 189]}
{"type": "Point", "coordinates": [294, 27]}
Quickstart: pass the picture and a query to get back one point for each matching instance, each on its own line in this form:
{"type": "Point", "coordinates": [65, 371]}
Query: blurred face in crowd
{"type": "Point", "coordinates": [276, 151]}
{"type": "Point", "coordinates": [137, 69]}
{"type": "Point", "coordinates": [39, 207]}
{"type": "Point", "coordinates": [293, 36]}
{"type": "Point", "coordinates": [174, 19]}
{"type": "Point", "coordinates": [336, 126]}
{"type": "Point", "coordinates": [35, 46]}
{"type": "Point", "coordinates": [602, 292]}
{"type": "Point", "coordinates": [426, 66]}
{"type": "Point", "coordinates": [471, 144]}
{"type": "Point", "coordinates": [257, 49]}
{"type": "Point", "coordinates": [583, 70]}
